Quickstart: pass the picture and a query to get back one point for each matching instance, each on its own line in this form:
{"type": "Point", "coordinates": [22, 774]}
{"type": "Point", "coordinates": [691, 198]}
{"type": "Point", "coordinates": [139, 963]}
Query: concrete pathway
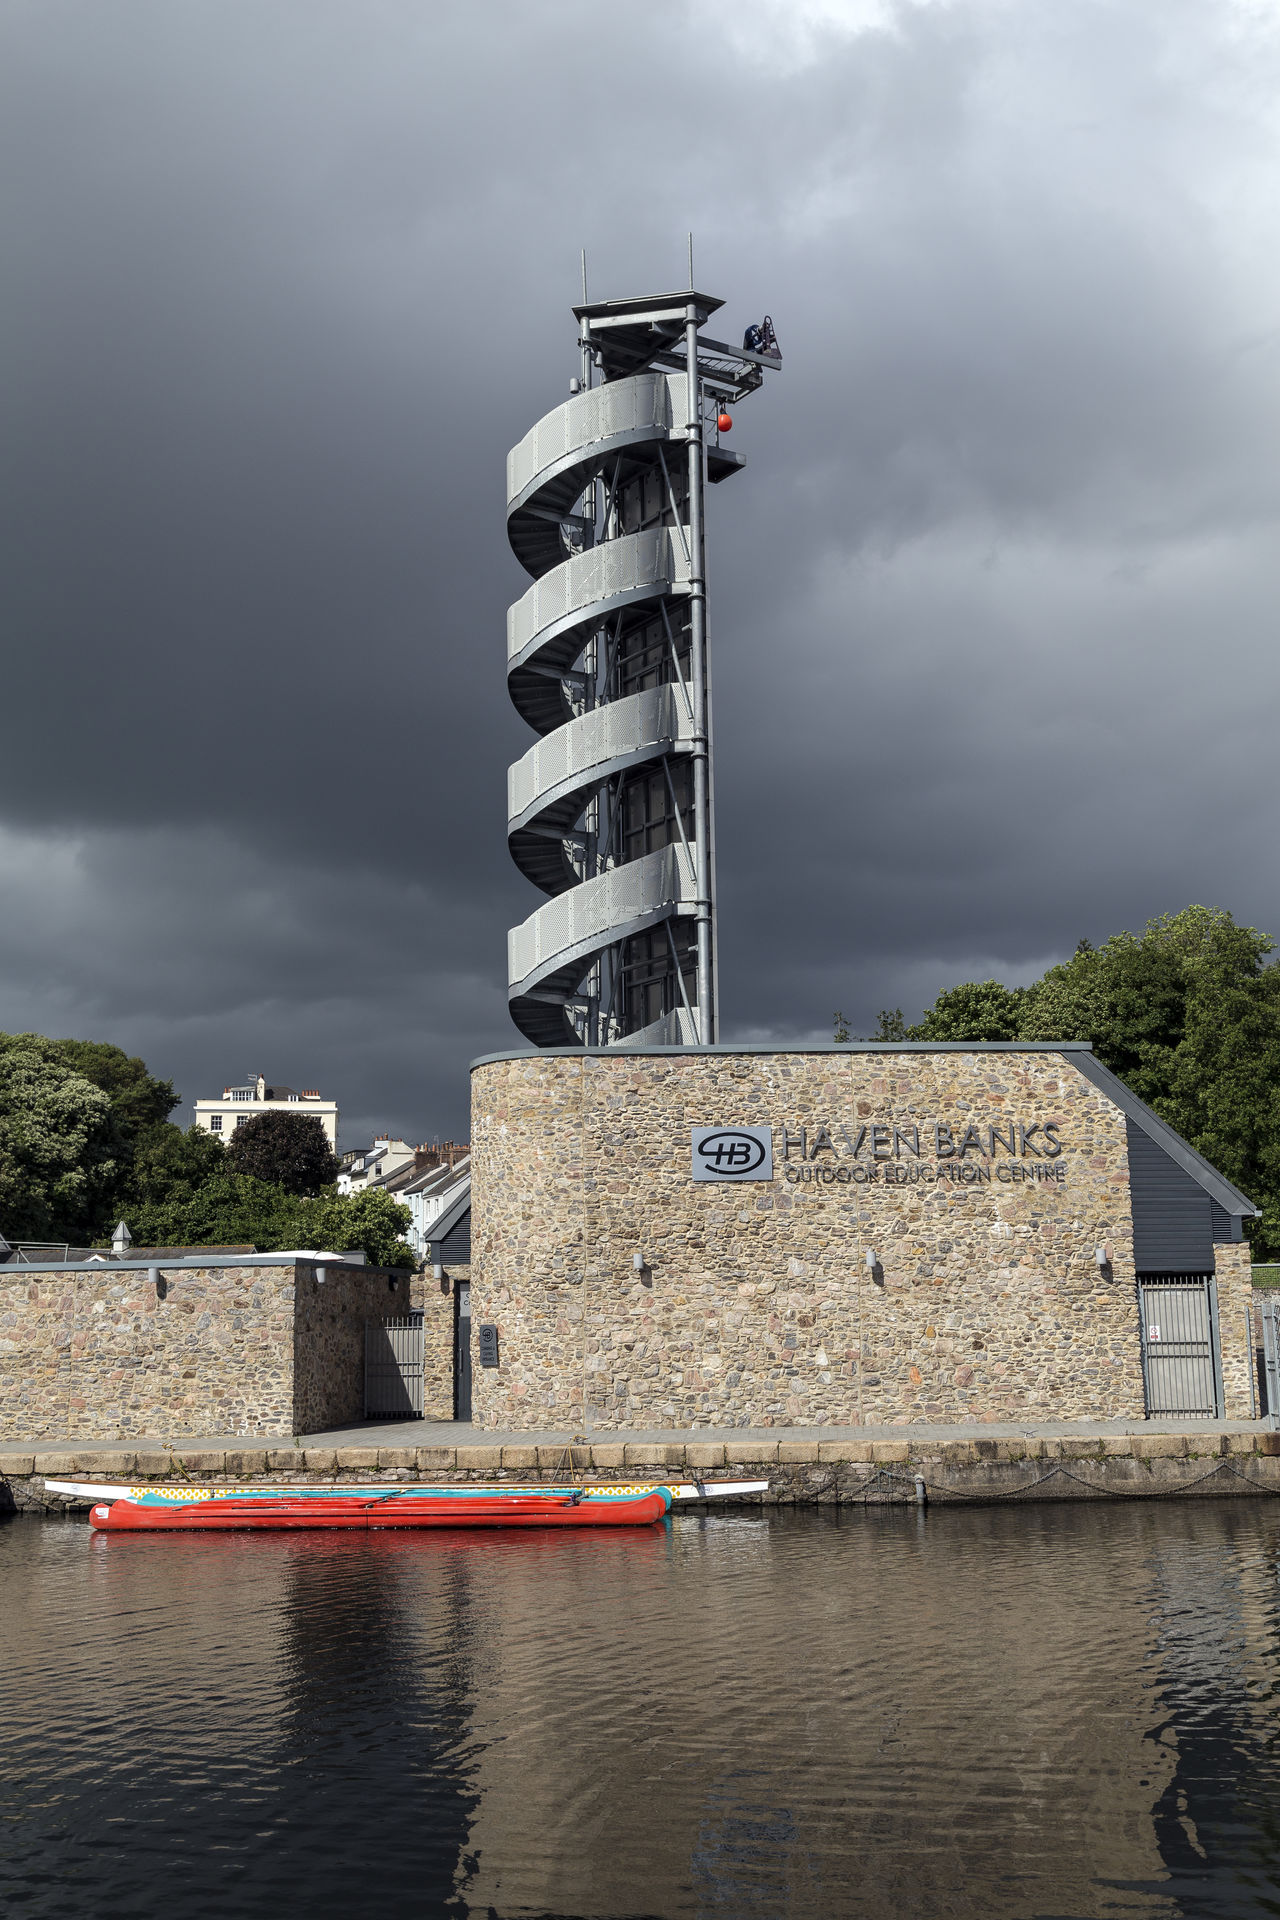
{"type": "Point", "coordinates": [456, 1433]}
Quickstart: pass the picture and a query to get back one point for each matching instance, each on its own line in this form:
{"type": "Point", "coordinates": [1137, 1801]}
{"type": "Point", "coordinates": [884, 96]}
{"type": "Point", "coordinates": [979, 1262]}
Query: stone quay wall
{"type": "Point", "coordinates": [108, 1352]}
{"type": "Point", "coordinates": [981, 1182]}
{"type": "Point", "coordinates": [1197, 1464]}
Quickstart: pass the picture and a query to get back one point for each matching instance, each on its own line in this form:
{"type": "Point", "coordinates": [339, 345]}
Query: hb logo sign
{"type": "Point", "coordinates": [733, 1153]}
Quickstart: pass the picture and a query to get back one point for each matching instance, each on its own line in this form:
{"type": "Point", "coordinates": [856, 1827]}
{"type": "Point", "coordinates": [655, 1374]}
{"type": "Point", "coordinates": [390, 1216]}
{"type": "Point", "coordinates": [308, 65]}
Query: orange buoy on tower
{"type": "Point", "coordinates": [725, 422]}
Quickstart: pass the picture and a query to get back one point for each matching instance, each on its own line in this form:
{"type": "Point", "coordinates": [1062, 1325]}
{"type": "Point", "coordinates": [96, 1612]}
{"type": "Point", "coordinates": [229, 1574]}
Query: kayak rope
{"type": "Point", "coordinates": [566, 1466]}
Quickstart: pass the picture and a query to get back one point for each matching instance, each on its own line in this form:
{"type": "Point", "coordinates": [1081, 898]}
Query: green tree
{"type": "Point", "coordinates": [1186, 1013]}
{"type": "Point", "coordinates": [978, 1010]}
{"type": "Point", "coordinates": [138, 1100]}
{"type": "Point", "coordinates": [291, 1150]}
{"type": "Point", "coordinates": [170, 1165]}
{"type": "Point", "coordinates": [139, 1105]}
{"type": "Point", "coordinates": [889, 1026]}
{"type": "Point", "coordinates": [60, 1149]}
{"type": "Point", "coordinates": [234, 1209]}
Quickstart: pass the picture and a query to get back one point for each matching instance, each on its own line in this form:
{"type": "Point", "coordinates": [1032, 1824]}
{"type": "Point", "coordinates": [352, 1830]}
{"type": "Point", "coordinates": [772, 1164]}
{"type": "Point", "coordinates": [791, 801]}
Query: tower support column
{"type": "Point", "coordinates": [704, 880]}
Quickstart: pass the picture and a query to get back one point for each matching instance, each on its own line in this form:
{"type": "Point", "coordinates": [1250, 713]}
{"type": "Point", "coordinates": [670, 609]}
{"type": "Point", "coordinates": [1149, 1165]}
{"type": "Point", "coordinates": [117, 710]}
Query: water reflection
{"type": "Point", "coordinates": [991, 1714]}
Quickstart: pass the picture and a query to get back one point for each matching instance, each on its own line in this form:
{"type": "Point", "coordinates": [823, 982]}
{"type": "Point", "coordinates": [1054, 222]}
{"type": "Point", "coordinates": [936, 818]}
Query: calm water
{"type": "Point", "coordinates": [1007, 1712]}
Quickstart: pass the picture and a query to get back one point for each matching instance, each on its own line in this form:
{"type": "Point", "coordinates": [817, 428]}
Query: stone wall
{"type": "Point", "coordinates": [756, 1306]}
{"type": "Point", "coordinates": [435, 1300]}
{"type": "Point", "coordinates": [1199, 1463]}
{"type": "Point", "coordinates": [1234, 1276]}
{"type": "Point", "coordinates": [103, 1352]}
{"type": "Point", "coordinates": [97, 1352]}
{"type": "Point", "coordinates": [331, 1305]}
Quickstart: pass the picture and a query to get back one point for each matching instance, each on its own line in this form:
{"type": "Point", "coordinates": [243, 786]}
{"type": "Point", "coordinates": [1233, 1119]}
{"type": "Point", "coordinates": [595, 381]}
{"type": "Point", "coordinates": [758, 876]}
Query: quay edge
{"type": "Point", "coordinates": [1190, 1465]}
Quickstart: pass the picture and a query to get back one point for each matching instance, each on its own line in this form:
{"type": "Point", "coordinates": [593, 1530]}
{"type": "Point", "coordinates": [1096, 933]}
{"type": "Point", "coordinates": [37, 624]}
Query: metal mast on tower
{"type": "Point", "coordinates": [611, 810]}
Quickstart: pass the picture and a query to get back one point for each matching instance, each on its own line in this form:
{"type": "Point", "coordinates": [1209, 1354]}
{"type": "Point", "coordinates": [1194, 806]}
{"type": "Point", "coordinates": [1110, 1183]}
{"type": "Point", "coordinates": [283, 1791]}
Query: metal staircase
{"type": "Point", "coordinates": [610, 811]}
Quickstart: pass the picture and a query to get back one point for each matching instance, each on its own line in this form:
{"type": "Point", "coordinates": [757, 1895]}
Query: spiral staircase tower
{"type": "Point", "coordinates": [610, 811]}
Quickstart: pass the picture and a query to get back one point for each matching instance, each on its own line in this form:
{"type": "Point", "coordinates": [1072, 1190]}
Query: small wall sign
{"type": "Point", "coordinates": [487, 1335]}
{"type": "Point", "coordinates": [733, 1153]}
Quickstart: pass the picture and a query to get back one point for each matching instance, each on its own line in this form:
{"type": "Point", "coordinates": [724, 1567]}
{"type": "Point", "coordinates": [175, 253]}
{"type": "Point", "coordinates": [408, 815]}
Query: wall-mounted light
{"type": "Point", "coordinates": [638, 1262]}
{"type": "Point", "coordinates": [434, 1251]}
{"type": "Point", "coordinates": [1103, 1257]}
{"type": "Point", "coordinates": [874, 1268]}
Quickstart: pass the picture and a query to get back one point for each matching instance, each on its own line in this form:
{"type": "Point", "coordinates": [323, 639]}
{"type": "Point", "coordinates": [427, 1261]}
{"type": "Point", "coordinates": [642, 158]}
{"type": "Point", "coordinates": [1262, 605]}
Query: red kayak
{"type": "Point", "coordinates": [493, 1510]}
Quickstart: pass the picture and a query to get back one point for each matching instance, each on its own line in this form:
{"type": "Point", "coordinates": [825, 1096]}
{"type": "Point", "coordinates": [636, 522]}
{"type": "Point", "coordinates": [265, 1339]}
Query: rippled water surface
{"type": "Point", "coordinates": [1055, 1711]}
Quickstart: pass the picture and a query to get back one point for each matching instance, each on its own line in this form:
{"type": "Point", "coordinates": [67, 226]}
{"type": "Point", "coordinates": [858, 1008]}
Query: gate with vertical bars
{"type": "Point", "coordinates": [1181, 1370]}
{"type": "Point", "coordinates": [393, 1367]}
{"type": "Point", "coordinates": [1269, 1312]}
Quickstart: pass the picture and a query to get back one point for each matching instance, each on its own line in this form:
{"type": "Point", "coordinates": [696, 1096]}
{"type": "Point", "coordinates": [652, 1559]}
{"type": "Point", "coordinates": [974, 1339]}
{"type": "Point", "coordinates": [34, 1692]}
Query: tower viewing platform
{"type": "Point", "coordinates": [610, 812]}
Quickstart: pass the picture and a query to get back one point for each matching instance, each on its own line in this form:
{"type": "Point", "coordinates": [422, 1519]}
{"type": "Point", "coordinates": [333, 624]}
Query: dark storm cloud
{"type": "Point", "coordinates": [992, 603]}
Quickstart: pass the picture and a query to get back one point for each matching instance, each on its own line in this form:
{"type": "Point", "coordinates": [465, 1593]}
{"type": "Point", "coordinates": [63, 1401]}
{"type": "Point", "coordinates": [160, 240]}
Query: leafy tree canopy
{"type": "Point", "coordinates": [234, 1209]}
{"type": "Point", "coordinates": [291, 1150]}
{"type": "Point", "coordinates": [61, 1148]}
{"type": "Point", "coordinates": [138, 1099]}
{"type": "Point", "coordinates": [170, 1165]}
{"type": "Point", "coordinates": [1187, 1013]}
{"type": "Point", "coordinates": [978, 1010]}
{"type": "Point", "coordinates": [85, 1140]}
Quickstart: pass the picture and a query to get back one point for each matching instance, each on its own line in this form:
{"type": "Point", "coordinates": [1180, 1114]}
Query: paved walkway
{"type": "Point", "coordinates": [457, 1433]}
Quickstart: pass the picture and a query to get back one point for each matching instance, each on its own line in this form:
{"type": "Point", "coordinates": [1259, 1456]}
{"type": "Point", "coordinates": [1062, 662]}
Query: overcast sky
{"type": "Point", "coordinates": [994, 604]}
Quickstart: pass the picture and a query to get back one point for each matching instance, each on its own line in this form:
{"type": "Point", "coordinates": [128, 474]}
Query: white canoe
{"type": "Point", "coordinates": [186, 1492]}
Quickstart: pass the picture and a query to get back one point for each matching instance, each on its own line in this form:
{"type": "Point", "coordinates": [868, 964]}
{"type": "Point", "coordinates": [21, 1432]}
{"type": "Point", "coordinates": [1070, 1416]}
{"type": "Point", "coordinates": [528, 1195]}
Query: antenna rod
{"type": "Point", "coordinates": [690, 265]}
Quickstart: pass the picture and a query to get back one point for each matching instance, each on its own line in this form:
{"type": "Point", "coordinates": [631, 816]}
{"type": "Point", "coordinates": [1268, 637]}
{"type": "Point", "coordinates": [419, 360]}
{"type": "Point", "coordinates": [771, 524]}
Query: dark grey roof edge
{"type": "Point", "coordinates": [1216, 1184]}
{"type": "Point", "coordinates": [816, 1046]}
{"type": "Point", "coordinates": [457, 1209]}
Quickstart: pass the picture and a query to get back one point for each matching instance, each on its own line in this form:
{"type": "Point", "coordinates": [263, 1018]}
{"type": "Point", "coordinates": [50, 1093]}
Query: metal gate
{"type": "Point", "coordinates": [393, 1367]}
{"type": "Point", "coordinates": [1181, 1370]}
{"type": "Point", "coordinates": [1269, 1310]}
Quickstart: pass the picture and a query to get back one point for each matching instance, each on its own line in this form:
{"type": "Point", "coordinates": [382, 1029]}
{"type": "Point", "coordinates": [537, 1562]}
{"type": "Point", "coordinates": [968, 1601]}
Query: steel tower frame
{"type": "Point", "coordinates": [611, 812]}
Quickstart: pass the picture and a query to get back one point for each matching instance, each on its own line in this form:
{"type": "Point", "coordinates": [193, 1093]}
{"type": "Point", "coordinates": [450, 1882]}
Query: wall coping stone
{"type": "Point", "coordinates": [94, 1269]}
{"type": "Point", "coordinates": [817, 1046]}
{"type": "Point", "coordinates": [739, 1459]}
{"type": "Point", "coordinates": [1159, 1446]}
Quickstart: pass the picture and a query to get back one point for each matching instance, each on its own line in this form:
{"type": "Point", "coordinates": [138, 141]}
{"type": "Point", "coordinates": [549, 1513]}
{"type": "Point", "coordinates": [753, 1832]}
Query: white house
{"type": "Point", "coordinates": [373, 1166]}
{"type": "Point", "coordinates": [239, 1104]}
{"type": "Point", "coordinates": [433, 1198]}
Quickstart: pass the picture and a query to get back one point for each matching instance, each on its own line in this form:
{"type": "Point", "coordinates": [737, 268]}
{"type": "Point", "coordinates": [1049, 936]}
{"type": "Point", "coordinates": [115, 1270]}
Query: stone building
{"type": "Point", "coordinates": [919, 1233]}
{"type": "Point", "coordinates": [239, 1104]}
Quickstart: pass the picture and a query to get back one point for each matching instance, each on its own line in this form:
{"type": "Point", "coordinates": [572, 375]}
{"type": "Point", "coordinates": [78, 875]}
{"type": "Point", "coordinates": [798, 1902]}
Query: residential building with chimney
{"type": "Point", "coordinates": [239, 1104]}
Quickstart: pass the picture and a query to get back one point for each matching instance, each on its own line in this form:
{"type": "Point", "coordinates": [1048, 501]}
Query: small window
{"type": "Point", "coordinates": [215, 1123]}
{"type": "Point", "coordinates": [241, 1118]}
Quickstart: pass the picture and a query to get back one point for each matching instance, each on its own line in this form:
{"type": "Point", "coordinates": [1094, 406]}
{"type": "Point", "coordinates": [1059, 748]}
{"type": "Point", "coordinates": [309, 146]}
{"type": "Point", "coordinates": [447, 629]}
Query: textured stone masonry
{"type": "Point", "coordinates": [1195, 1464]}
{"type": "Point", "coordinates": [755, 1307]}
{"type": "Point", "coordinates": [103, 1352]}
